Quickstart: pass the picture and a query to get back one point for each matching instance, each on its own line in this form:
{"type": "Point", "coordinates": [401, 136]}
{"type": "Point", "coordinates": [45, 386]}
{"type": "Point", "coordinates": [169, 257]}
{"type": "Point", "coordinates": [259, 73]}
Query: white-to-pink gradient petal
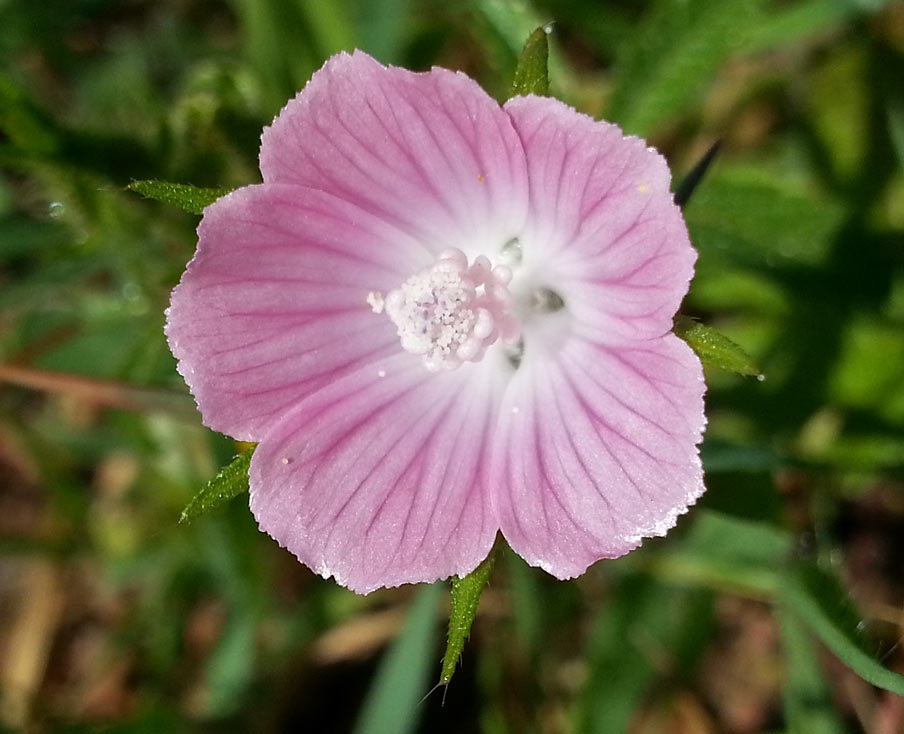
{"type": "Point", "coordinates": [379, 479]}
{"type": "Point", "coordinates": [429, 152]}
{"type": "Point", "coordinates": [274, 304]}
{"type": "Point", "coordinates": [597, 449]}
{"type": "Point", "coordinates": [603, 230]}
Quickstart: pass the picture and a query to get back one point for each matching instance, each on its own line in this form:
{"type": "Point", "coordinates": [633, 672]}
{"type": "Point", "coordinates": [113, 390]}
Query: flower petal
{"type": "Point", "coordinates": [597, 449]}
{"type": "Point", "coordinates": [273, 305]}
{"type": "Point", "coordinates": [381, 480]}
{"type": "Point", "coordinates": [430, 152]}
{"type": "Point", "coordinates": [604, 231]}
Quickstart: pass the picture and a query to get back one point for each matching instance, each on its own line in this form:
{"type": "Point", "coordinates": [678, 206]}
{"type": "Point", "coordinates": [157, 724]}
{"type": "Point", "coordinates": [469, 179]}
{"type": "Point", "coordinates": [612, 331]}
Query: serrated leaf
{"type": "Point", "coordinates": [818, 600]}
{"type": "Point", "coordinates": [465, 596]}
{"type": "Point", "coordinates": [188, 198]}
{"type": "Point", "coordinates": [510, 22]}
{"type": "Point", "coordinates": [532, 72]}
{"type": "Point", "coordinates": [714, 348]}
{"type": "Point", "coordinates": [229, 482]}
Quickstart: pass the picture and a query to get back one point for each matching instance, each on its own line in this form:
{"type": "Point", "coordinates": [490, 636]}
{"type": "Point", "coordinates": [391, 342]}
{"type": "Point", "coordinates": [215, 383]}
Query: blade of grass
{"type": "Point", "coordinates": [807, 696]}
{"type": "Point", "coordinates": [820, 602]}
{"type": "Point", "coordinates": [392, 701]}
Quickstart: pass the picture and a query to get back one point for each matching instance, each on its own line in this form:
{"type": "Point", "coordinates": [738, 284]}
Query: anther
{"type": "Point", "coordinates": [452, 311]}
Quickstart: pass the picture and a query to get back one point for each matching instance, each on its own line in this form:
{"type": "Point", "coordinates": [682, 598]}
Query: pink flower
{"type": "Point", "coordinates": [442, 318]}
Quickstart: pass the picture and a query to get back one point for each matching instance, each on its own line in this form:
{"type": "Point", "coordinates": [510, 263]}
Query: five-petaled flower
{"type": "Point", "coordinates": [441, 319]}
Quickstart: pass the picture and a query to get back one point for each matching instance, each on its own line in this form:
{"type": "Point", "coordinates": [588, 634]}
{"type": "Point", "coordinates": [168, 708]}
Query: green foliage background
{"type": "Point", "coordinates": [767, 610]}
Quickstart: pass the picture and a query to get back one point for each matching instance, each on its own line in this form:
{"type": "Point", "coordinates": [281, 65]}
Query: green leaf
{"type": "Point", "coordinates": [331, 25]}
{"type": "Point", "coordinates": [728, 553]}
{"type": "Point", "coordinates": [673, 55]}
{"type": "Point", "coordinates": [894, 110]}
{"type": "Point", "coordinates": [725, 552]}
{"type": "Point", "coordinates": [512, 20]}
{"type": "Point", "coordinates": [532, 72]}
{"type": "Point", "coordinates": [807, 695]}
{"type": "Point", "coordinates": [279, 62]}
{"type": "Point", "coordinates": [713, 348]}
{"type": "Point", "coordinates": [795, 22]}
{"type": "Point", "coordinates": [530, 613]}
{"type": "Point", "coordinates": [759, 218]}
{"type": "Point", "coordinates": [508, 23]}
{"type": "Point", "coordinates": [230, 667]}
{"type": "Point", "coordinates": [382, 26]}
{"type": "Point", "coordinates": [639, 616]}
{"type": "Point", "coordinates": [392, 702]}
{"type": "Point", "coordinates": [229, 482]}
{"type": "Point", "coordinates": [465, 596]}
{"type": "Point", "coordinates": [869, 371]}
{"type": "Point", "coordinates": [818, 600]}
{"type": "Point", "coordinates": [25, 125]}
{"type": "Point", "coordinates": [188, 198]}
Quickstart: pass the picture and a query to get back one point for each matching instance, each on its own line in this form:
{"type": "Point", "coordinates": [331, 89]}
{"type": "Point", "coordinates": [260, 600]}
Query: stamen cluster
{"type": "Point", "coordinates": [452, 311]}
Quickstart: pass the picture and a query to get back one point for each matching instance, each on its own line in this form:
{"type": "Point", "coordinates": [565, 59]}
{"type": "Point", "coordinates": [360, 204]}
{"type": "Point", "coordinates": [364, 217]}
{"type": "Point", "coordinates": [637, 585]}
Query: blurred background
{"type": "Point", "coordinates": [114, 618]}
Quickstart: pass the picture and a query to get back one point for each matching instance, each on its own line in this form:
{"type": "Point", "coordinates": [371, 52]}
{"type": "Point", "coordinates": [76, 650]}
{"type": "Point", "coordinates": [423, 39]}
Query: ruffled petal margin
{"type": "Point", "coordinates": [597, 449]}
{"type": "Point", "coordinates": [274, 304]}
{"type": "Point", "coordinates": [375, 471]}
{"type": "Point", "coordinates": [603, 227]}
{"type": "Point", "coordinates": [380, 478]}
{"type": "Point", "coordinates": [429, 152]}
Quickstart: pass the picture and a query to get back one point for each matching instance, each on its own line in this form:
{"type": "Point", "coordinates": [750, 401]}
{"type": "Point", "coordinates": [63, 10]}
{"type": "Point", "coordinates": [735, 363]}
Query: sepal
{"type": "Point", "coordinates": [191, 199]}
{"type": "Point", "coordinates": [714, 348]}
{"type": "Point", "coordinates": [466, 593]}
{"type": "Point", "coordinates": [229, 482]}
{"type": "Point", "coordinates": [532, 72]}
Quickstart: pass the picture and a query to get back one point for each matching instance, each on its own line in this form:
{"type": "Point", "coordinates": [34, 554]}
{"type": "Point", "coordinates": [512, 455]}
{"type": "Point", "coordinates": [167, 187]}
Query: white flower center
{"type": "Point", "coordinates": [452, 311]}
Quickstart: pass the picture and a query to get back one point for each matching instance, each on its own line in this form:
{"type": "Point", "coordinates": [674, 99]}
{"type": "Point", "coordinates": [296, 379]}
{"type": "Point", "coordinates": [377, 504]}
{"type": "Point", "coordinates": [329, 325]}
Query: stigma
{"type": "Point", "coordinates": [452, 311]}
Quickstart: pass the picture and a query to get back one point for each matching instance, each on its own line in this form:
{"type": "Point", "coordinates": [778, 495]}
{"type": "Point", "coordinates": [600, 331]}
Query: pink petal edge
{"type": "Point", "coordinates": [430, 152]}
{"type": "Point", "coordinates": [375, 471]}
{"type": "Point", "coordinates": [379, 478]}
{"type": "Point", "coordinates": [596, 450]}
{"type": "Point", "coordinates": [603, 227]}
{"type": "Point", "coordinates": [273, 305]}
